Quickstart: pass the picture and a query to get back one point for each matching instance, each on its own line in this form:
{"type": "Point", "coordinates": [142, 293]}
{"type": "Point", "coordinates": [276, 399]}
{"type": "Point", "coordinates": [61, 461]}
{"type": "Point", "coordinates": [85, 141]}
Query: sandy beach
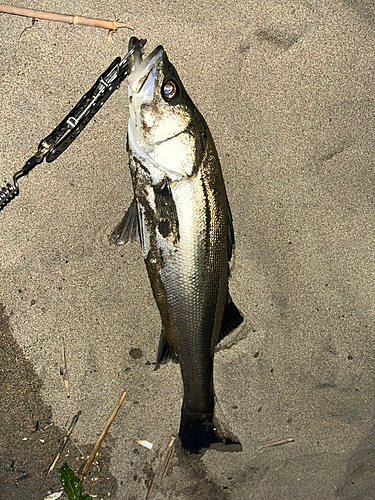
{"type": "Point", "coordinates": [287, 89]}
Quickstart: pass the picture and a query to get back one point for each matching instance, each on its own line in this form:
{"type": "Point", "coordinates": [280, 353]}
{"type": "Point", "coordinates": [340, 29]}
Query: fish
{"type": "Point", "coordinates": [181, 215]}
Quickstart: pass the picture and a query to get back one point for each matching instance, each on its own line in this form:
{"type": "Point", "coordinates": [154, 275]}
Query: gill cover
{"type": "Point", "coordinates": [161, 114]}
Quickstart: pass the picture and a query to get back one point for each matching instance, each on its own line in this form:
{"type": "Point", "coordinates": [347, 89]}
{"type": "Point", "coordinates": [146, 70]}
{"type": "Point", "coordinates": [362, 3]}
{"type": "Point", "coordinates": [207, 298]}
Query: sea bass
{"type": "Point", "coordinates": [181, 215]}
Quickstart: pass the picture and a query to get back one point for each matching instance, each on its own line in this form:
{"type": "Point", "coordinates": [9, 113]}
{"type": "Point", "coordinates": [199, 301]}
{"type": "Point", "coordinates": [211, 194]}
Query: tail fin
{"type": "Point", "coordinates": [199, 434]}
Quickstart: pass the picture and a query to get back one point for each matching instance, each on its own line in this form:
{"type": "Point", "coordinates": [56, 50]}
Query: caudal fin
{"type": "Point", "coordinates": [198, 434]}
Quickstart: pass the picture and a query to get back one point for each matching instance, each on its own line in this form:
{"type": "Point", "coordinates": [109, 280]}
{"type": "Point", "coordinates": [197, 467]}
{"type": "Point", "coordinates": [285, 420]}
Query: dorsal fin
{"type": "Point", "coordinates": [231, 318]}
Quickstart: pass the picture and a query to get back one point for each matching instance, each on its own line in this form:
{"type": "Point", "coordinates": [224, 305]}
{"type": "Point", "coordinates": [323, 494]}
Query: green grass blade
{"type": "Point", "coordinates": [72, 485]}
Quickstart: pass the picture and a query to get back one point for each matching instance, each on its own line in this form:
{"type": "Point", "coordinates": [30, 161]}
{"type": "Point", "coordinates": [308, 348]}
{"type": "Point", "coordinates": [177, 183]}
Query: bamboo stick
{"type": "Point", "coordinates": [101, 437]}
{"type": "Point", "coordinates": [275, 443]}
{"type": "Point", "coordinates": [63, 18]}
{"type": "Point", "coordinates": [64, 441]}
{"type": "Point", "coordinates": [63, 367]}
{"type": "Point", "coordinates": [162, 469]}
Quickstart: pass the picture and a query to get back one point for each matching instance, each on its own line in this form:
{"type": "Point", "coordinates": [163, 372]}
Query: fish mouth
{"type": "Point", "coordinates": [143, 68]}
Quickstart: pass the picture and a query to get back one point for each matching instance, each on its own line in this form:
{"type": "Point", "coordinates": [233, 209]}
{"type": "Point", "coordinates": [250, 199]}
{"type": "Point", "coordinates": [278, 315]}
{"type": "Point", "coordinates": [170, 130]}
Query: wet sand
{"type": "Point", "coordinates": [287, 89]}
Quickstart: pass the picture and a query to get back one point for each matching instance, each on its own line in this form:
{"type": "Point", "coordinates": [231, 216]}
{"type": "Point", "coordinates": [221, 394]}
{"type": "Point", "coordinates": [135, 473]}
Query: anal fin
{"type": "Point", "coordinates": [165, 351]}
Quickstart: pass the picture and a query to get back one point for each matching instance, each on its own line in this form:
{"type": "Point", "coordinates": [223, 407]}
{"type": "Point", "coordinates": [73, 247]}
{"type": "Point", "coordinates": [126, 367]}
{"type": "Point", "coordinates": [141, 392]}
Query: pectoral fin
{"type": "Point", "coordinates": [166, 212]}
{"type": "Point", "coordinates": [127, 230]}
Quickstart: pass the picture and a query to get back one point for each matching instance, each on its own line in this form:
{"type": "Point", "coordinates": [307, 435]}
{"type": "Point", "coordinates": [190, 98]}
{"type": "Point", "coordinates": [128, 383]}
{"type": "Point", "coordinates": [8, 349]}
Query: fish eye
{"type": "Point", "coordinates": [169, 89]}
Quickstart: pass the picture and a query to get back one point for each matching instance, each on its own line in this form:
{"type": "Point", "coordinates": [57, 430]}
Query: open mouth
{"type": "Point", "coordinates": [142, 68]}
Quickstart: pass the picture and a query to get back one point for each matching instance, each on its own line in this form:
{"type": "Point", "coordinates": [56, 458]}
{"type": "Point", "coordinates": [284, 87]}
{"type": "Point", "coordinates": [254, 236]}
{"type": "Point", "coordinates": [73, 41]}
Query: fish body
{"type": "Point", "coordinates": [181, 215]}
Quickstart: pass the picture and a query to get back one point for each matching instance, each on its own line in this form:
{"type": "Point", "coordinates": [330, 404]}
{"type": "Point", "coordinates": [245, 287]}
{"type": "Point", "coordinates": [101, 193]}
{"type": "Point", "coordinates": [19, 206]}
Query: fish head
{"type": "Point", "coordinates": [164, 124]}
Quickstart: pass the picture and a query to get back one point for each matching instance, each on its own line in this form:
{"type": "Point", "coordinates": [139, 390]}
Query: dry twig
{"type": "Point", "coordinates": [63, 18]}
{"type": "Point", "coordinates": [64, 441]}
{"type": "Point", "coordinates": [101, 437]}
{"type": "Point", "coordinates": [78, 448]}
{"type": "Point", "coordinates": [162, 469]}
{"type": "Point", "coordinates": [275, 443]}
{"type": "Point", "coordinates": [63, 368]}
